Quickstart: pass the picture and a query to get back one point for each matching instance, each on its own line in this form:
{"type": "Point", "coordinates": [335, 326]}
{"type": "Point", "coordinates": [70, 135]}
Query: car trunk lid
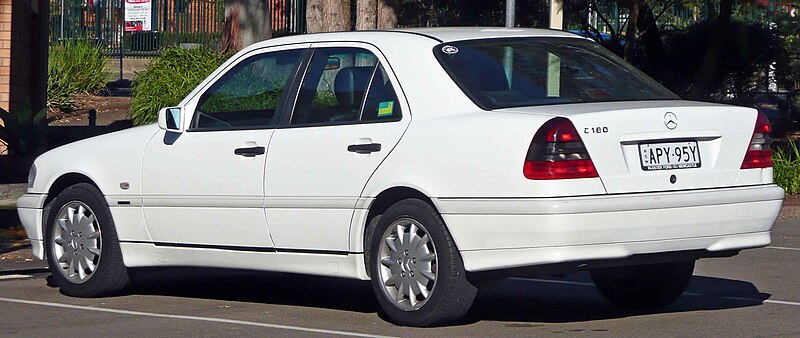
{"type": "Point", "coordinates": [646, 146]}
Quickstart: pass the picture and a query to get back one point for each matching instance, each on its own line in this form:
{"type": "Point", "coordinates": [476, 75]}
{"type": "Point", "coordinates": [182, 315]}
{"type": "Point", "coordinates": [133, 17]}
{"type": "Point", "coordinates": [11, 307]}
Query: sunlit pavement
{"type": "Point", "coordinates": [756, 293]}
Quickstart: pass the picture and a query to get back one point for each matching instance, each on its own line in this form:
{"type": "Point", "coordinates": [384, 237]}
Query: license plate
{"type": "Point", "coordinates": [673, 155]}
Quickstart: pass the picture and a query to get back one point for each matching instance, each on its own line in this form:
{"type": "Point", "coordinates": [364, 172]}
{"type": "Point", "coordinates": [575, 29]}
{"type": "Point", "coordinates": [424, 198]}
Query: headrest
{"type": "Point", "coordinates": [350, 84]}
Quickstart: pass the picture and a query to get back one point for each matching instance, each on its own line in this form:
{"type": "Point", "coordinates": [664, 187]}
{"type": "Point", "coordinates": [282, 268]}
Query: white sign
{"type": "Point", "coordinates": [138, 15]}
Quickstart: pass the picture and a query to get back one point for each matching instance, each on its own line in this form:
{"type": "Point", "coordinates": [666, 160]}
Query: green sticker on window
{"type": "Point", "coordinates": [385, 108]}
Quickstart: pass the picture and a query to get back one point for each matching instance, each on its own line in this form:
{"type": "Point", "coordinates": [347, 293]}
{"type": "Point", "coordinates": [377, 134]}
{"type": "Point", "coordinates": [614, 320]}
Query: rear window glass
{"type": "Point", "coordinates": [505, 73]}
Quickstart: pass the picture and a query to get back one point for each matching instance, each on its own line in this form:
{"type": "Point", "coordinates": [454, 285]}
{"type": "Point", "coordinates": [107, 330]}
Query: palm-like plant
{"type": "Point", "coordinates": [23, 132]}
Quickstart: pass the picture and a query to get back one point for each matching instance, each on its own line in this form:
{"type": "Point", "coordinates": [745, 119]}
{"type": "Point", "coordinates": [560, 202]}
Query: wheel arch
{"type": "Point", "coordinates": [381, 203]}
{"type": "Point", "coordinates": [59, 184]}
{"type": "Point", "coordinates": [65, 180]}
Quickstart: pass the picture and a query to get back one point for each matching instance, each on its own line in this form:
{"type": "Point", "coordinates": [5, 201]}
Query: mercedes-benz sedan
{"type": "Point", "coordinates": [426, 161]}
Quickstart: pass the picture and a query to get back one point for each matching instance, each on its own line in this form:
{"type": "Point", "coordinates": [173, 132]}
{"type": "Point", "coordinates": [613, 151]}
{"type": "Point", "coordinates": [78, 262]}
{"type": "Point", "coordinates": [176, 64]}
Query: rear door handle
{"type": "Point", "coordinates": [250, 151]}
{"type": "Point", "coordinates": [364, 148]}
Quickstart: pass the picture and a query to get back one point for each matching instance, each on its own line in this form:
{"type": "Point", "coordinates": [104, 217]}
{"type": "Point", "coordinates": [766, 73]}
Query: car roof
{"type": "Point", "coordinates": [447, 34]}
{"type": "Point", "coordinates": [438, 34]}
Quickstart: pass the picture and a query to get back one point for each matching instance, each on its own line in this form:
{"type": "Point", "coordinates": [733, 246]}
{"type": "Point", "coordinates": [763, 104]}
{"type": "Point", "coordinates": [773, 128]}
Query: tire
{"type": "Point", "coordinates": [431, 270]}
{"type": "Point", "coordinates": [644, 286]}
{"type": "Point", "coordinates": [82, 249]}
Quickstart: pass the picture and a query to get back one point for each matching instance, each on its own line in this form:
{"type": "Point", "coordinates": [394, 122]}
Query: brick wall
{"type": "Point", "coordinates": [17, 45]}
{"type": "Point", "coordinates": [19, 34]}
{"type": "Point", "coordinates": [6, 7]}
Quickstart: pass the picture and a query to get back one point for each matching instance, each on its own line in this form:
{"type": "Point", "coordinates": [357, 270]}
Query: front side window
{"type": "Point", "coordinates": [248, 95]}
{"type": "Point", "coordinates": [504, 73]}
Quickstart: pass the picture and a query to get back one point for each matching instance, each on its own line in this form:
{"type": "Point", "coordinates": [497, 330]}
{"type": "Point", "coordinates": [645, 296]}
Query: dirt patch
{"type": "Point", "coordinates": [109, 110]}
{"type": "Point", "coordinates": [789, 211]}
{"type": "Point", "coordinates": [12, 238]}
{"type": "Point", "coordinates": [9, 194]}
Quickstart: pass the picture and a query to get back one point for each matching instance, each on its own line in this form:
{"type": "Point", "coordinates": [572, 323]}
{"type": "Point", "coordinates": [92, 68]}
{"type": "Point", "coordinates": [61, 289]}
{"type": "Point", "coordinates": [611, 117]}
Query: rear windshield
{"type": "Point", "coordinates": [504, 73]}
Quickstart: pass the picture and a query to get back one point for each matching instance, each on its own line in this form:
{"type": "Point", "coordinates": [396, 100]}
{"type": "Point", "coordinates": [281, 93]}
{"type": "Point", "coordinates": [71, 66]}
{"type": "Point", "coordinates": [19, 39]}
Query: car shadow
{"type": "Point", "coordinates": [552, 300]}
{"type": "Point", "coordinates": [575, 299]}
{"type": "Point", "coordinates": [257, 287]}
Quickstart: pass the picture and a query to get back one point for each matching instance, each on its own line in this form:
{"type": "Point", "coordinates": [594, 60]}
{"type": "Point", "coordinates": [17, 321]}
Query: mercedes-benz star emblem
{"type": "Point", "coordinates": [670, 120]}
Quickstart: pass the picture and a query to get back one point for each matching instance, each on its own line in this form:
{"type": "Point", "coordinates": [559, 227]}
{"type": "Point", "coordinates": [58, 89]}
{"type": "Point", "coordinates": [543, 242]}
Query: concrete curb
{"type": "Point", "coordinates": [5, 251]}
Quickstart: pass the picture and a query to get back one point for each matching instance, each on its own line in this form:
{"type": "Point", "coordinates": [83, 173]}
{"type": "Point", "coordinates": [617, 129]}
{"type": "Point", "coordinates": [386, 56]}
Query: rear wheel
{"type": "Point", "coordinates": [81, 244]}
{"type": "Point", "coordinates": [417, 273]}
{"type": "Point", "coordinates": [644, 285]}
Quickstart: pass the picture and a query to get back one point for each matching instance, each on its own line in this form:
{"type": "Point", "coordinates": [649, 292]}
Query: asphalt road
{"type": "Point", "coordinates": [756, 293]}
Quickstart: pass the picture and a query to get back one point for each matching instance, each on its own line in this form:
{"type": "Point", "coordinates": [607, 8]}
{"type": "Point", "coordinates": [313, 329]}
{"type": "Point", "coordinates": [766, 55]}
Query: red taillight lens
{"type": "Point", "coordinates": [557, 152]}
{"type": "Point", "coordinates": [759, 154]}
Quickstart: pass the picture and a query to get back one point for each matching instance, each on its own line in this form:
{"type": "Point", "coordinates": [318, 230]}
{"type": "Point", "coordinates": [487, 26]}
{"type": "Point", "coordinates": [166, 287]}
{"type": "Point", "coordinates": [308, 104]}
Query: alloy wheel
{"type": "Point", "coordinates": [407, 264]}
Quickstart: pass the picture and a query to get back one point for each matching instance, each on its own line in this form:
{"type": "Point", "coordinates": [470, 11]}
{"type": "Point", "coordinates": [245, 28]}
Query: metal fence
{"type": "Point", "coordinates": [174, 22]}
{"type": "Point", "coordinates": [675, 16]}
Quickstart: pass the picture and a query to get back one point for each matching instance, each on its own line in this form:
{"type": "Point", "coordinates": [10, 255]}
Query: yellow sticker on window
{"type": "Point", "coordinates": [385, 108]}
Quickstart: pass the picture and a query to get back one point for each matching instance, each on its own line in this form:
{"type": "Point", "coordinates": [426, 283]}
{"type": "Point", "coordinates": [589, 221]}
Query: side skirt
{"type": "Point", "coordinates": [320, 263]}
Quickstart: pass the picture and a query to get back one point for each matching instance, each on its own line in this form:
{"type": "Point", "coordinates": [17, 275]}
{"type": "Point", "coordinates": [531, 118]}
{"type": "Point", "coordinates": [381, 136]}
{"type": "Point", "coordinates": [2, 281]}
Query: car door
{"type": "Point", "coordinates": [206, 186]}
{"type": "Point", "coordinates": [346, 117]}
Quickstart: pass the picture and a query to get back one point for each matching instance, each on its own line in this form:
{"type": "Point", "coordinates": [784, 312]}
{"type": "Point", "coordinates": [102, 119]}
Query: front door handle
{"type": "Point", "coordinates": [250, 151]}
{"type": "Point", "coordinates": [364, 148]}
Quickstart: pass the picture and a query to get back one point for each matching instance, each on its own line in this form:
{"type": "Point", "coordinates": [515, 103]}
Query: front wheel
{"type": "Point", "coordinates": [81, 244]}
{"type": "Point", "coordinates": [417, 273]}
{"type": "Point", "coordinates": [644, 286]}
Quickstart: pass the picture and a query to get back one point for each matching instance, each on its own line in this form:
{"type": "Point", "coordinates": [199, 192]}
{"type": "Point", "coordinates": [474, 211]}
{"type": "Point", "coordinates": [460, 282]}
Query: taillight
{"type": "Point", "coordinates": [557, 152]}
{"type": "Point", "coordinates": [759, 154]}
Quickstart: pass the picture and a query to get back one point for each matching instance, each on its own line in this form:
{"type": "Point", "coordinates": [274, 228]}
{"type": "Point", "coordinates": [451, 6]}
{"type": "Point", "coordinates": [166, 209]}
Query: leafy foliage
{"type": "Point", "coordinates": [223, 102]}
{"type": "Point", "coordinates": [786, 165]}
{"type": "Point", "coordinates": [169, 78]}
{"type": "Point", "coordinates": [749, 50]}
{"type": "Point", "coordinates": [24, 131]}
{"type": "Point", "coordinates": [74, 67]}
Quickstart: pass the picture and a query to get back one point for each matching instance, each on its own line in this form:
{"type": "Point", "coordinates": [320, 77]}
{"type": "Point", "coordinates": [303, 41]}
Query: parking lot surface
{"type": "Point", "coordinates": [756, 293]}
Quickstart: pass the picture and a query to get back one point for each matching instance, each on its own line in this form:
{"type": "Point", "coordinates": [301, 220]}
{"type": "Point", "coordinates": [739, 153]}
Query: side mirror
{"type": "Point", "coordinates": [170, 119]}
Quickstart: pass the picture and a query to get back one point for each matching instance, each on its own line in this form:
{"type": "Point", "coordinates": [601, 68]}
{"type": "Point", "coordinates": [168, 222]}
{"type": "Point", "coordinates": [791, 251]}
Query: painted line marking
{"type": "Point", "coordinates": [770, 301]}
{"type": "Point", "coordinates": [195, 318]}
{"type": "Point", "coordinates": [783, 248]}
{"type": "Point", "coordinates": [15, 276]}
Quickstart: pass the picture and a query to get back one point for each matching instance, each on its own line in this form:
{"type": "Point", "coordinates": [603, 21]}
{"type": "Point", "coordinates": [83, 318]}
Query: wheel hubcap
{"type": "Point", "coordinates": [407, 264]}
{"type": "Point", "coordinates": [76, 242]}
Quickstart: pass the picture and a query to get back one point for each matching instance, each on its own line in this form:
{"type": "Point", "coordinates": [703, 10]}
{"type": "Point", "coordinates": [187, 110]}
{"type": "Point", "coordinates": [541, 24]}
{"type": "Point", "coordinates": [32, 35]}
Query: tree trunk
{"type": "Point", "coordinates": [246, 22]}
{"type": "Point", "coordinates": [708, 71]}
{"type": "Point", "coordinates": [328, 15]}
{"type": "Point", "coordinates": [366, 14]}
{"type": "Point", "coordinates": [630, 32]}
{"type": "Point", "coordinates": [387, 14]}
{"type": "Point", "coordinates": [376, 14]}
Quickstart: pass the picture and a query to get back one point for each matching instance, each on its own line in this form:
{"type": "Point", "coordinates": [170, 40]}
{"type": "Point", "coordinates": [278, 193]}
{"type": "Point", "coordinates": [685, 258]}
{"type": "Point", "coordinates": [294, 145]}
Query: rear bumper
{"type": "Point", "coordinates": [508, 233]}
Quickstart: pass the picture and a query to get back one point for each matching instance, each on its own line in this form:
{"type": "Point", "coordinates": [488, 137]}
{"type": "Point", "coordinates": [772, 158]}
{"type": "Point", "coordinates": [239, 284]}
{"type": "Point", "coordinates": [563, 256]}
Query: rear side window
{"type": "Point", "coordinates": [504, 73]}
{"type": "Point", "coordinates": [381, 103]}
{"type": "Point", "coordinates": [248, 95]}
{"type": "Point", "coordinates": [344, 86]}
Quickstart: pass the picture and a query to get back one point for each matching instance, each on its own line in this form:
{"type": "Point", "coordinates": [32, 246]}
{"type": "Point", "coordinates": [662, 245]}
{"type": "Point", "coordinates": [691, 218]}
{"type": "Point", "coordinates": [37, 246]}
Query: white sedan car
{"type": "Point", "coordinates": [426, 161]}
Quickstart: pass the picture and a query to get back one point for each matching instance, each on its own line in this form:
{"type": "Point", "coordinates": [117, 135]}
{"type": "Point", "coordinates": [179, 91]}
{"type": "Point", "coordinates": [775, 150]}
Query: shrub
{"type": "Point", "coordinates": [74, 67]}
{"type": "Point", "coordinates": [23, 131]}
{"type": "Point", "coordinates": [786, 165]}
{"type": "Point", "coordinates": [169, 78]}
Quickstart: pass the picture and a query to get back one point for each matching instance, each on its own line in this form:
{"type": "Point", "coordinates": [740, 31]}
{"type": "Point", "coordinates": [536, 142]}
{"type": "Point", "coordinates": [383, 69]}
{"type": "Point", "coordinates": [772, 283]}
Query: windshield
{"type": "Point", "coordinates": [504, 73]}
